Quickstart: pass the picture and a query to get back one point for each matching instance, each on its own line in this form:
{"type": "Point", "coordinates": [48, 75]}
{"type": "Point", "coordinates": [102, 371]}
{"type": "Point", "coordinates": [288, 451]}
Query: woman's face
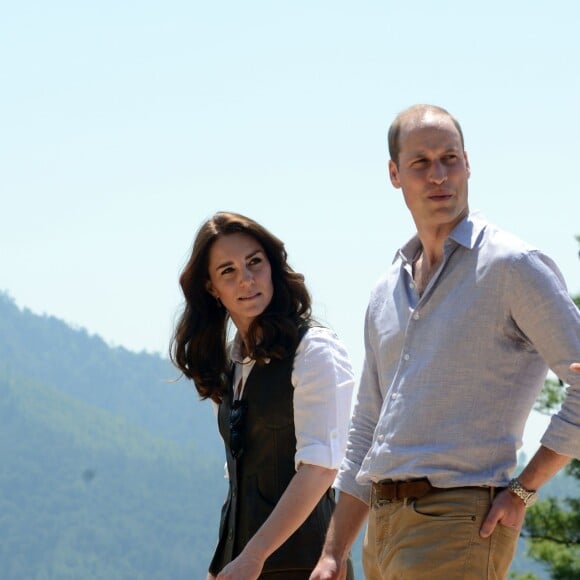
{"type": "Point", "coordinates": [241, 277]}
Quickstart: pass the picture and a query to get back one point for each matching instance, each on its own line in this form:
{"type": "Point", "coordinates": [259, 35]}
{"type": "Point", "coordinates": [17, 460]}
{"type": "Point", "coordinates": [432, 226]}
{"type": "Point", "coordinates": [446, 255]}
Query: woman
{"type": "Point", "coordinates": [283, 389]}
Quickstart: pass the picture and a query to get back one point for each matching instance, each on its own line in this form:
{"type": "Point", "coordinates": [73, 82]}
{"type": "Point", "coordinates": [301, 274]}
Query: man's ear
{"type": "Point", "coordinates": [467, 164]}
{"type": "Point", "coordinates": [394, 174]}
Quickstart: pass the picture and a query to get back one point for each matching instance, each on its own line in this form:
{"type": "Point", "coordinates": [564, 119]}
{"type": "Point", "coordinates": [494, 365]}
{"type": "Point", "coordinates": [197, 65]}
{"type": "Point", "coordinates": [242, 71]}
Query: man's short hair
{"type": "Point", "coordinates": [415, 111]}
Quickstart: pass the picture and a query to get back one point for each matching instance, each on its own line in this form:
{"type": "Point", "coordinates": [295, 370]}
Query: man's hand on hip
{"type": "Point", "coordinates": [507, 510]}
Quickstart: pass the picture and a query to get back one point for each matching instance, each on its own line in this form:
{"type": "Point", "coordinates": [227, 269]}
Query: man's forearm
{"type": "Point", "coordinates": [542, 467]}
{"type": "Point", "coordinates": [510, 510]}
{"type": "Point", "coordinates": [347, 520]}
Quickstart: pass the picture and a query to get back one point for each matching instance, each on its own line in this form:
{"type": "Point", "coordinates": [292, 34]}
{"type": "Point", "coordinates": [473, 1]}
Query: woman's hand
{"type": "Point", "coordinates": [575, 367]}
{"type": "Point", "coordinates": [304, 491]}
{"type": "Point", "coordinates": [244, 567]}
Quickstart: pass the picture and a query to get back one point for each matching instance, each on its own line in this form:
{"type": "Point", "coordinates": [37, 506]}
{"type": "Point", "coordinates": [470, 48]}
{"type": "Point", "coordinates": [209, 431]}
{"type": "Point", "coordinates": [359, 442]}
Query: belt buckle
{"type": "Point", "coordinates": [392, 490]}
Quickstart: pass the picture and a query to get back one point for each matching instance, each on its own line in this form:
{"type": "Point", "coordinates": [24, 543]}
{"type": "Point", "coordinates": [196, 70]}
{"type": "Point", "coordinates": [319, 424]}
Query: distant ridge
{"type": "Point", "coordinates": [135, 386]}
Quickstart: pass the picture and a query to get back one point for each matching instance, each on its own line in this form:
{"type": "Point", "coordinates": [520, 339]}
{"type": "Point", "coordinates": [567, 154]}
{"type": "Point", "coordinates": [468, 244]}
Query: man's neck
{"type": "Point", "coordinates": [433, 238]}
{"type": "Point", "coordinates": [424, 268]}
{"type": "Point", "coordinates": [431, 255]}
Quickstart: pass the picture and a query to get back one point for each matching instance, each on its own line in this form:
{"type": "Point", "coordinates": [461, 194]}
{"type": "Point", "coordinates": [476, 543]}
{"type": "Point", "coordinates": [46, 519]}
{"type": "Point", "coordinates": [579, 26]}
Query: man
{"type": "Point", "coordinates": [459, 335]}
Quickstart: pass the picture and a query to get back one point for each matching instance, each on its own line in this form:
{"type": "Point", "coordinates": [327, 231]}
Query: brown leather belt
{"type": "Point", "coordinates": [401, 490]}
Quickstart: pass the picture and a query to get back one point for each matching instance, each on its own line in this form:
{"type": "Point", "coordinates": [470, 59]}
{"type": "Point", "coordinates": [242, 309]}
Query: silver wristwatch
{"type": "Point", "coordinates": [528, 496]}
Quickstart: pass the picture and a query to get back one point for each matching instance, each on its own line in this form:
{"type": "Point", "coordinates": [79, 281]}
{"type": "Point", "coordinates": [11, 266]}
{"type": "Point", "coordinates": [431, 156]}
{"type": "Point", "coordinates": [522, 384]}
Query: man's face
{"type": "Point", "coordinates": [432, 172]}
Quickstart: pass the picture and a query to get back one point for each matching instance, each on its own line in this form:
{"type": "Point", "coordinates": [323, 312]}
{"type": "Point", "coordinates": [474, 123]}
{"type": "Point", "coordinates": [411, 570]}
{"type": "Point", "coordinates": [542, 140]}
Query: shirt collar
{"type": "Point", "coordinates": [466, 233]}
{"type": "Point", "coordinates": [236, 351]}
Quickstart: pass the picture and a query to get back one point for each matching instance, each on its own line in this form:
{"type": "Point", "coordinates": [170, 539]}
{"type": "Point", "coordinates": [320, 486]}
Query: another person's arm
{"type": "Point", "coordinates": [352, 507]}
{"type": "Point", "coordinates": [347, 520]}
{"type": "Point", "coordinates": [575, 367]}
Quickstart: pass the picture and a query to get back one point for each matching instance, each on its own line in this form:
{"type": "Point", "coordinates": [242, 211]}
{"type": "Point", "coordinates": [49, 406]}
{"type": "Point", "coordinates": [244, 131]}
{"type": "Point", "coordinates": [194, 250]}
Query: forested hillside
{"type": "Point", "coordinates": [106, 471]}
{"type": "Point", "coordinates": [136, 386]}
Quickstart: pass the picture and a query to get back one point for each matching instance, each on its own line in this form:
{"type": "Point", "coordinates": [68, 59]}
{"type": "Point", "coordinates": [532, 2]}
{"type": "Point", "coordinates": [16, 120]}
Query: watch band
{"type": "Point", "coordinates": [528, 496]}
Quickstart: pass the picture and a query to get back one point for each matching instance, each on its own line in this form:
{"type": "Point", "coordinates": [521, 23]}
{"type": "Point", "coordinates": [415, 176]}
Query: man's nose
{"type": "Point", "coordinates": [438, 172]}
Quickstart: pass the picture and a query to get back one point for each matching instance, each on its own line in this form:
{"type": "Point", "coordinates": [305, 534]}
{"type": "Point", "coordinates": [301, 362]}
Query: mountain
{"type": "Point", "coordinates": [107, 471]}
{"type": "Point", "coordinates": [138, 386]}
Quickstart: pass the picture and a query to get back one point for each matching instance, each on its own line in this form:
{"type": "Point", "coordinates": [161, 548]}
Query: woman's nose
{"type": "Point", "coordinates": [247, 276]}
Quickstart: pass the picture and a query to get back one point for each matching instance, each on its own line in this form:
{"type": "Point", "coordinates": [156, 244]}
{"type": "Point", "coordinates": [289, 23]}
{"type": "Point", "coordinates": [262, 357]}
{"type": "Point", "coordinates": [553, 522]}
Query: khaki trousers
{"type": "Point", "coordinates": [436, 538]}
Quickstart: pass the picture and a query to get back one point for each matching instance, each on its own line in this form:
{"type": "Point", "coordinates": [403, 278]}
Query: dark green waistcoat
{"type": "Point", "coordinates": [259, 476]}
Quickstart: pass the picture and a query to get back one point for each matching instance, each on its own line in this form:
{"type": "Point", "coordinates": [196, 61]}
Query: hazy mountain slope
{"type": "Point", "coordinates": [136, 386]}
{"type": "Point", "coordinates": [84, 494]}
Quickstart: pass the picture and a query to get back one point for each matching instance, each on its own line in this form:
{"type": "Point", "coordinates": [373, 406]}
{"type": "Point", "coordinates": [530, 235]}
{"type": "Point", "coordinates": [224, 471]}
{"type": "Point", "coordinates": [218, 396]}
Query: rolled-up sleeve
{"type": "Point", "coordinates": [364, 420]}
{"type": "Point", "coordinates": [323, 385]}
{"type": "Point", "coordinates": [548, 316]}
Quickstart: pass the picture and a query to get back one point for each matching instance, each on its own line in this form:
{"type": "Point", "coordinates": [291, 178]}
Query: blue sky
{"type": "Point", "coordinates": [126, 124]}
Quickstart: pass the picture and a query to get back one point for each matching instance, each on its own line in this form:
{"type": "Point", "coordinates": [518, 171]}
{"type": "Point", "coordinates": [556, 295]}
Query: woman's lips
{"type": "Point", "coordinates": [249, 297]}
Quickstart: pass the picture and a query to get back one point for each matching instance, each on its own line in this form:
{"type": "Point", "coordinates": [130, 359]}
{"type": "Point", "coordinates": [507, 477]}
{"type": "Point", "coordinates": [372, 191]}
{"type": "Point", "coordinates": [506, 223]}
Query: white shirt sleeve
{"type": "Point", "coordinates": [323, 385]}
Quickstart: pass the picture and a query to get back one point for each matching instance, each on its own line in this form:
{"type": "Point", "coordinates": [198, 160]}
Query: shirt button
{"type": "Point", "coordinates": [381, 438]}
{"type": "Point", "coordinates": [416, 316]}
{"type": "Point", "coordinates": [406, 357]}
{"type": "Point", "coordinates": [394, 396]}
{"type": "Point", "coordinates": [411, 285]}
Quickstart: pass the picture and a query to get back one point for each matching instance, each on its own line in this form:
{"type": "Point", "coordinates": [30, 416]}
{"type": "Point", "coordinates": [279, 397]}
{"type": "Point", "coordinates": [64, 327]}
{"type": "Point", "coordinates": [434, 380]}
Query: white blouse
{"type": "Point", "coordinates": [323, 383]}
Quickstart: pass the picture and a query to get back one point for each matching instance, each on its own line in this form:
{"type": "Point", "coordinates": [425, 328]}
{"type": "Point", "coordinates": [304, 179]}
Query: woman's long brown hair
{"type": "Point", "coordinates": [198, 347]}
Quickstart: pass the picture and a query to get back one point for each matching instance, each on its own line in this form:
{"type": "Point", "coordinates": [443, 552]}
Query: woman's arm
{"type": "Point", "coordinates": [297, 502]}
{"type": "Point", "coordinates": [323, 383]}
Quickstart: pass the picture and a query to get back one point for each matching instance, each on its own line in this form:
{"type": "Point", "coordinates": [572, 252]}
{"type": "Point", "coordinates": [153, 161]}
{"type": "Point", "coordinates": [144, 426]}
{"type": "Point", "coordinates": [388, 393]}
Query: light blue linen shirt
{"type": "Point", "coordinates": [450, 377]}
